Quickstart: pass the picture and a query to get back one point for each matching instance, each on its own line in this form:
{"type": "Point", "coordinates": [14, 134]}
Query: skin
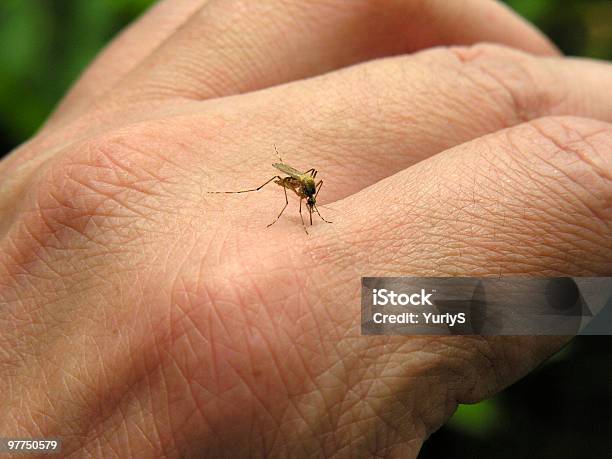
{"type": "Point", "coordinates": [143, 316]}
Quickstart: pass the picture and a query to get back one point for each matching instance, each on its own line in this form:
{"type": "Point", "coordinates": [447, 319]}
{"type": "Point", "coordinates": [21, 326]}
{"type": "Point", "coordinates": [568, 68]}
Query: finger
{"type": "Point", "coordinates": [532, 200]}
{"type": "Point", "coordinates": [372, 120]}
{"type": "Point", "coordinates": [124, 53]}
{"type": "Point", "coordinates": [535, 199]}
{"type": "Point", "coordinates": [232, 47]}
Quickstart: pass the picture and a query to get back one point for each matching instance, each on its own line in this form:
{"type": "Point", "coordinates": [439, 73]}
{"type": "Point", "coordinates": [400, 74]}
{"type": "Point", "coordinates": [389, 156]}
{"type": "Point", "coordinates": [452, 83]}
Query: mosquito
{"type": "Point", "coordinates": [301, 183]}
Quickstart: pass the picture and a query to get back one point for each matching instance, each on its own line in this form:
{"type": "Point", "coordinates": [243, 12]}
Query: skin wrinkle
{"type": "Point", "coordinates": [343, 406]}
{"type": "Point", "coordinates": [93, 125]}
{"type": "Point", "coordinates": [362, 380]}
{"type": "Point", "coordinates": [477, 64]}
{"type": "Point", "coordinates": [303, 362]}
{"type": "Point", "coordinates": [593, 212]}
{"type": "Point", "coordinates": [113, 425]}
{"type": "Point", "coordinates": [569, 238]}
{"type": "Point", "coordinates": [94, 186]}
{"type": "Point", "coordinates": [253, 386]}
{"type": "Point", "coordinates": [71, 200]}
{"type": "Point", "coordinates": [40, 241]}
{"type": "Point", "coordinates": [458, 359]}
{"type": "Point", "coordinates": [30, 328]}
{"type": "Point", "coordinates": [582, 154]}
{"type": "Point", "coordinates": [123, 172]}
{"type": "Point", "coordinates": [178, 428]}
{"type": "Point", "coordinates": [199, 411]}
{"type": "Point", "coordinates": [350, 389]}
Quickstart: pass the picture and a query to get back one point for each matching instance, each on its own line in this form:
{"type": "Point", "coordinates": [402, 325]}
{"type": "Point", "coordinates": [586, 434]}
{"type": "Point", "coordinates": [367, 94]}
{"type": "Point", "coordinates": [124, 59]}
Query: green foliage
{"type": "Point", "coordinates": [45, 46]}
{"type": "Point", "coordinates": [578, 27]}
{"type": "Point", "coordinates": [479, 420]}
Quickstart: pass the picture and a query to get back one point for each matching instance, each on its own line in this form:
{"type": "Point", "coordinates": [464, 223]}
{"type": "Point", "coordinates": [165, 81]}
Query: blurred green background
{"type": "Point", "coordinates": [562, 410]}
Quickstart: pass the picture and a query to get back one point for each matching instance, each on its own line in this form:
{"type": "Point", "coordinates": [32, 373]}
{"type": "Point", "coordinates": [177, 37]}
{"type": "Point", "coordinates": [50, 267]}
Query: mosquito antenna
{"type": "Point", "coordinates": [278, 154]}
{"type": "Point", "coordinates": [318, 186]}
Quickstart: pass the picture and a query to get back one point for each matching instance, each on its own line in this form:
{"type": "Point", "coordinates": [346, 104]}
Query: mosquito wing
{"type": "Point", "coordinates": [285, 169]}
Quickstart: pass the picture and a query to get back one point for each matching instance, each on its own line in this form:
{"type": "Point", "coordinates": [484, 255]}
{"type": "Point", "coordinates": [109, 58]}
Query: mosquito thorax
{"type": "Point", "coordinates": [309, 187]}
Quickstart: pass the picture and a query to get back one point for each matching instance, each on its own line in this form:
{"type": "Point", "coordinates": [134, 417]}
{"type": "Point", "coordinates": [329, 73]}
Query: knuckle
{"type": "Point", "coordinates": [487, 52]}
{"type": "Point", "coordinates": [568, 159]}
{"type": "Point", "coordinates": [510, 77]}
{"type": "Point", "coordinates": [580, 147]}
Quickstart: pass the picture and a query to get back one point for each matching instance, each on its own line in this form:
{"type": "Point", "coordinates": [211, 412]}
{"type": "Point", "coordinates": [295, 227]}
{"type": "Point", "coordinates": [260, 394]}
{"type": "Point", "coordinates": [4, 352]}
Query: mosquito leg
{"type": "Point", "coordinates": [310, 171]}
{"type": "Point", "coordinates": [247, 191]}
{"type": "Point", "coordinates": [326, 221]}
{"type": "Point", "coordinates": [302, 217]}
{"type": "Point", "coordinates": [318, 187]}
{"type": "Point", "coordinates": [282, 210]}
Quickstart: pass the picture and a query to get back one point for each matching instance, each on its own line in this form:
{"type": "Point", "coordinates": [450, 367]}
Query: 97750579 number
{"type": "Point", "coordinates": [30, 445]}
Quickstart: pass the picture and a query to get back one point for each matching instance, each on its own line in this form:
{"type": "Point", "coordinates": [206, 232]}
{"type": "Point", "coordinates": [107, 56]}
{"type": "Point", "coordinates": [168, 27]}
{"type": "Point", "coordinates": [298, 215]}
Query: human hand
{"type": "Point", "coordinates": [144, 316]}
